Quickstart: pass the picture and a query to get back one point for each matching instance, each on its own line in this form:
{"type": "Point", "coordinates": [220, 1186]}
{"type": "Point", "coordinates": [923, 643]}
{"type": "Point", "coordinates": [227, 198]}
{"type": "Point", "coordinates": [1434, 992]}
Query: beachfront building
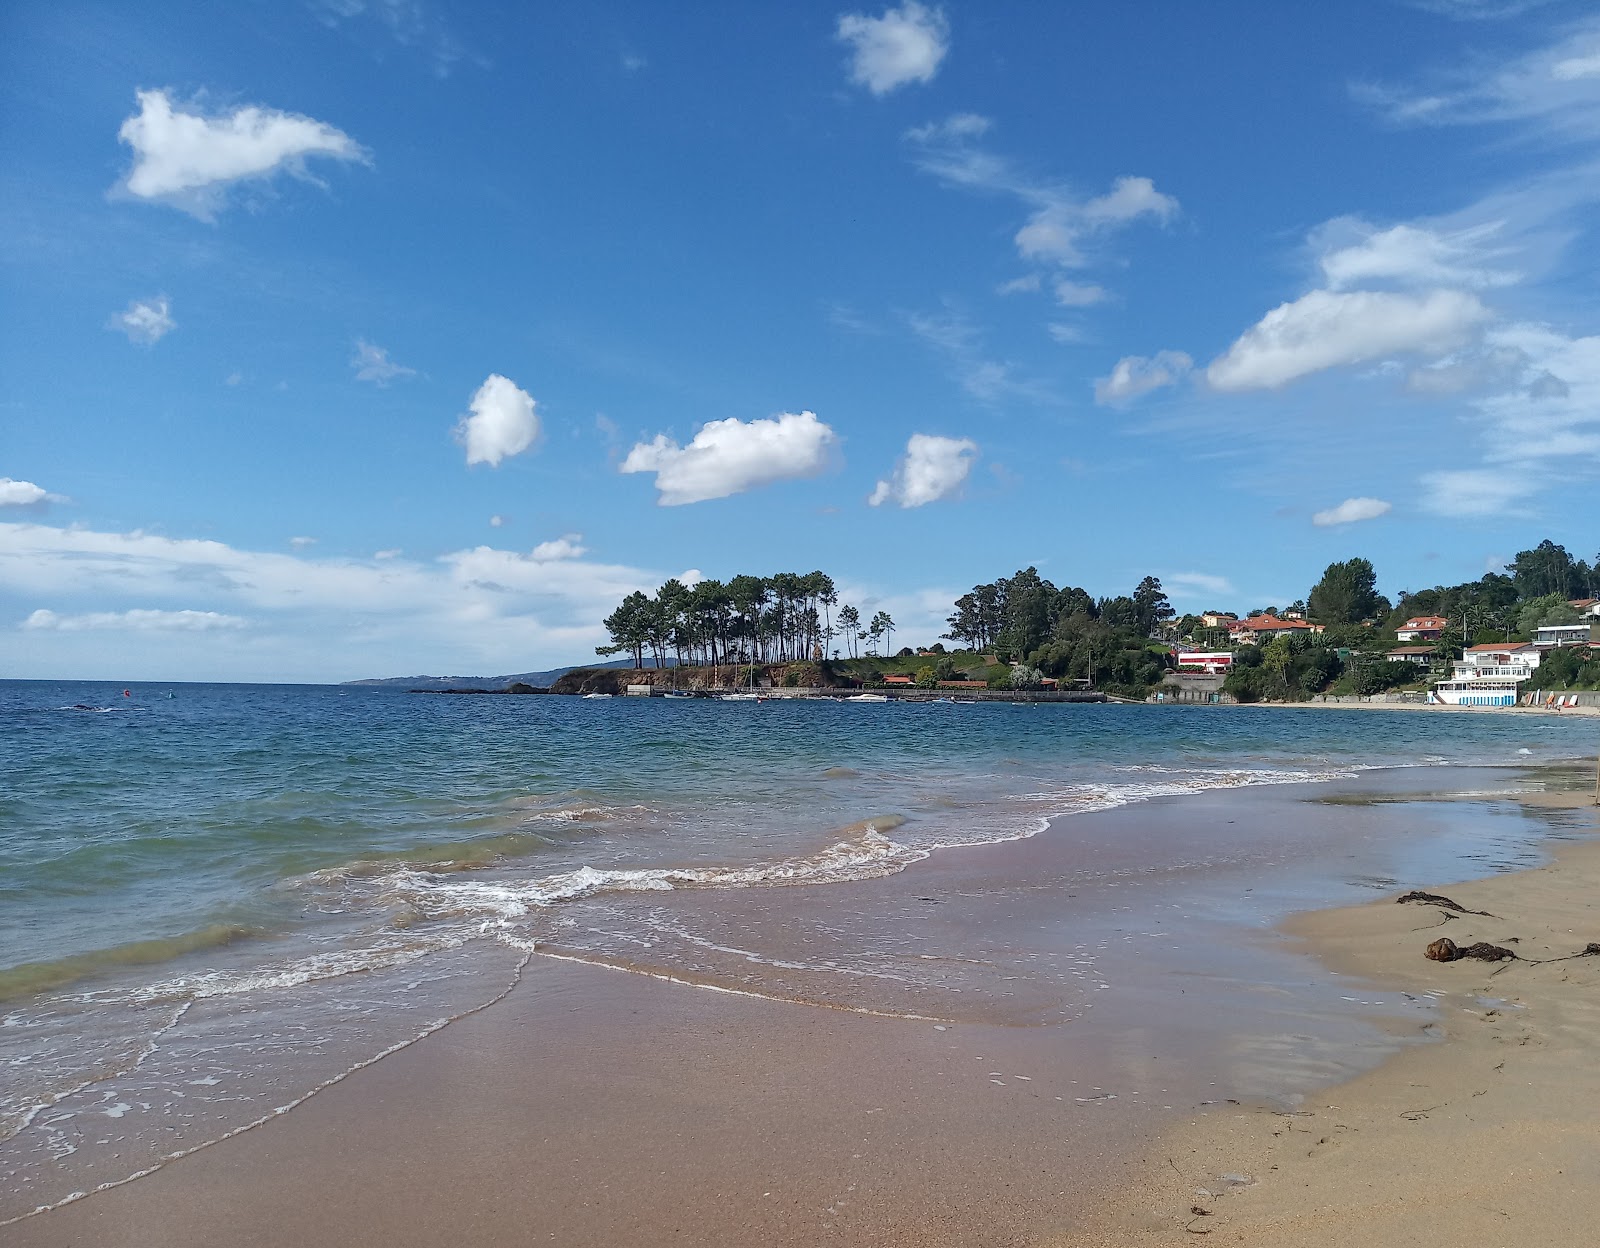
{"type": "Point", "coordinates": [1487, 675]}
{"type": "Point", "coordinates": [1421, 628]}
{"type": "Point", "coordinates": [1260, 629]}
{"type": "Point", "coordinates": [1553, 635]}
{"type": "Point", "coordinates": [1211, 662]}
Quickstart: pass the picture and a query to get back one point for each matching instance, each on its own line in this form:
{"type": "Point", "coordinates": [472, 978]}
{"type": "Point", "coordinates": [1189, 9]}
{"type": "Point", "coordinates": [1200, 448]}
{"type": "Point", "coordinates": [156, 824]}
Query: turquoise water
{"type": "Point", "coordinates": [214, 897]}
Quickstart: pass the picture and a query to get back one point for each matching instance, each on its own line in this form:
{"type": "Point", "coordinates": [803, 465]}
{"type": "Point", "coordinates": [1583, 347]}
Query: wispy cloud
{"type": "Point", "coordinates": [408, 23]}
{"type": "Point", "coordinates": [372, 363]}
{"type": "Point", "coordinates": [1062, 226]}
{"type": "Point", "coordinates": [986, 379]}
{"type": "Point", "coordinates": [1135, 375]}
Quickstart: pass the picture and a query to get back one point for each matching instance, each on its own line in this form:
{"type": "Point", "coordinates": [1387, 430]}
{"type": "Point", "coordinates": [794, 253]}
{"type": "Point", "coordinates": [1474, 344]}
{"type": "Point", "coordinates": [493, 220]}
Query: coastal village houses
{"type": "Point", "coordinates": [1422, 628]}
{"type": "Point", "coordinates": [1260, 629]}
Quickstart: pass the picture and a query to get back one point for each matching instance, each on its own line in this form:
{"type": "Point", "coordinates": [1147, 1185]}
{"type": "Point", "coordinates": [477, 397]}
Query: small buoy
{"type": "Point", "coordinates": [127, 693]}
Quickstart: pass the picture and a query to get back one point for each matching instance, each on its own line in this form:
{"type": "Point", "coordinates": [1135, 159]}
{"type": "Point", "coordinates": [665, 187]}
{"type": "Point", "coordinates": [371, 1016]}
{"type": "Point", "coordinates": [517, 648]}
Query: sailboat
{"type": "Point", "coordinates": [746, 695]}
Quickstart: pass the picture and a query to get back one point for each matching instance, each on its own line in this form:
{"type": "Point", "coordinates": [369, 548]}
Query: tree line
{"type": "Point", "coordinates": [1115, 643]}
{"type": "Point", "coordinates": [786, 617]}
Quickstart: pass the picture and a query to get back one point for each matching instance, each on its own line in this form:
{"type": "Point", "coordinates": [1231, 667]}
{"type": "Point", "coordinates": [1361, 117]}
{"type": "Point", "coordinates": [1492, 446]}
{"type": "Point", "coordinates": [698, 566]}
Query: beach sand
{"type": "Point", "coordinates": [1489, 1138]}
{"type": "Point", "coordinates": [597, 1107]}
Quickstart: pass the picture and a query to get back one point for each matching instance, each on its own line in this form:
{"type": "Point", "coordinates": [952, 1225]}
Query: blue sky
{"type": "Point", "coordinates": [377, 337]}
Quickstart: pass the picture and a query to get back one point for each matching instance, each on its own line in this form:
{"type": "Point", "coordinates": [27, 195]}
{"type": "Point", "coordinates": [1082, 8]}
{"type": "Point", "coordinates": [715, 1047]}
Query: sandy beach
{"type": "Point", "coordinates": [592, 1106]}
{"type": "Point", "coordinates": [1488, 1138]}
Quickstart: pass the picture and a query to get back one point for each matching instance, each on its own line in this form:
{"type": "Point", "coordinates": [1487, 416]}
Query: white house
{"type": "Point", "coordinates": [1212, 662]}
{"type": "Point", "coordinates": [1422, 628]}
{"type": "Point", "coordinates": [1552, 635]}
{"type": "Point", "coordinates": [1588, 608]}
{"type": "Point", "coordinates": [1487, 675]}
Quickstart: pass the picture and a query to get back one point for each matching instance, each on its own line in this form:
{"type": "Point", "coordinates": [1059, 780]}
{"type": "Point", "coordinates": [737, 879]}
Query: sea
{"type": "Point", "coordinates": [216, 900]}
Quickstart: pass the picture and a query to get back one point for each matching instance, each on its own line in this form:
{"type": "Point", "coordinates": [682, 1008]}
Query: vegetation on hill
{"type": "Point", "coordinates": [1023, 628]}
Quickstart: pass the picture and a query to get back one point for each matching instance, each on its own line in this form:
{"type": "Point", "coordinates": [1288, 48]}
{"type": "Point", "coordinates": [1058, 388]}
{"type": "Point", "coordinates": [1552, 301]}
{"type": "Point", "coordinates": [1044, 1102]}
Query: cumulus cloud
{"type": "Point", "coordinates": [567, 546]}
{"type": "Point", "coordinates": [301, 543]}
{"type": "Point", "coordinates": [931, 468]}
{"type": "Point", "coordinates": [502, 422]}
{"type": "Point", "coordinates": [372, 363]}
{"type": "Point", "coordinates": [1352, 510]}
{"type": "Point", "coordinates": [187, 159]}
{"type": "Point", "coordinates": [1325, 329]}
{"type": "Point", "coordinates": [731, 456]}
{"type": "Point", "coordinates": [141, 620]}
{"type": "Point", "coordinates": [145, 321]}
{"type": "Point", "coordinates": [26, 494]}
{"type": "Point", "coordinates": [905, 45]}
{"type": "Point", "coordinates": [1134, 375]}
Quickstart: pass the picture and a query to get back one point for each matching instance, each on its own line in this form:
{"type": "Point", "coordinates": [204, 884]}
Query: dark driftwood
{"type": "Point", "coordinates": [1434, 899]}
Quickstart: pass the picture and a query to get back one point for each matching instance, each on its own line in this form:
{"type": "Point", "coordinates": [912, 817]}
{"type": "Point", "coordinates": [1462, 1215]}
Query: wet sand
{"type": "Point", "coordinates": [1092, 994]}
{"type": "Point", "coordinates": [1489, 1138]}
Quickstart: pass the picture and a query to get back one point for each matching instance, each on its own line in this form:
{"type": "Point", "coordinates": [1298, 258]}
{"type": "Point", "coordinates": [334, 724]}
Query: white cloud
{"type": "Point", "coordinates": [410, 23]}
{"type": "Point", "coordinates": [1555, 88]}
{"type": "Point", "coordinates": [1196, 585]}
{"type": "Point", "coordinates": [1061, 224]}
{"type": "Point", "coordinates": [1355, 253]}
{"type": "Point", "coordinates": [1352, 510]}
{"type": "Point", "coordinates": [904, 45]}
{"type": "Point", "coordinates": [503, 422]}
{"type": "Point", "coordinates": [26, 494]}
{"type": "Point", "coordinates": [1057, 229]}
{"type": "Point", "coordinates": [394, 552]}
{"type": "Point", "coordinates": [1134, 375]}
{"type": "Point", "coordinates": [985, 379]}
{"type": "Point", "coordinates": [932, 468]}
{"type": "Point", "coordinates": [1474, 492]}
{"type": "Point", "coordinates": [145, 321]}
{"type": "Point", "coordinates": [187, 159]}
{"type": "Point", "coordinates": [1325, 329]}
{"type": "Point", "coordinates": [138, 620]}
{"type": "Point", "coordinates": [1079, 294]}
{"type": "Point", "coordinates": [1019, 285]}
{"type": "Point", "coordinates": [311, 618]}
{"type": "Point", "coordinates": [300, 543]}
{"type": "Point", "coordinates": [372, 363]}
{"type": "Point", "coordinates": [1067, 335]}
{"type": "Point", "coordinates": [497, 521]}
{"type": "Point", "coordinates": [1138, 375]}
{"type": "Point", "coordinates": [567, 546]}
{"type": "Point", "coordinates": [731, 456]}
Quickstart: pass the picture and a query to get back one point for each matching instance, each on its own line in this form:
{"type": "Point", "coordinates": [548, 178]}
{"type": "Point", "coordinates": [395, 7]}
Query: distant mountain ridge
{"type": "Point", "coordinates": [539, 680]}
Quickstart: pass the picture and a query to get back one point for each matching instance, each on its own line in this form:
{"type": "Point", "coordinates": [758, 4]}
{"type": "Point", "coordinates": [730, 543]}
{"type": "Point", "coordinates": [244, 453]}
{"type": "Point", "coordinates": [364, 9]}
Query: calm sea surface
{"type": "Point", "coordinates": [214, 898]}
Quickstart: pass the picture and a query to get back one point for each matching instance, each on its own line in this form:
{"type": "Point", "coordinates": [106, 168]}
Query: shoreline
{"type": "Point", "coordinates": [1486, 1135]}
{"type": "Point", "coordinates": [672, 1110]}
